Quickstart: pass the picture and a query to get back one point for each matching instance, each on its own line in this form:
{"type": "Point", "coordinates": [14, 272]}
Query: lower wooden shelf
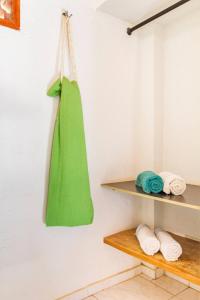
{"type": "Point", "coordinates": [187, 267]}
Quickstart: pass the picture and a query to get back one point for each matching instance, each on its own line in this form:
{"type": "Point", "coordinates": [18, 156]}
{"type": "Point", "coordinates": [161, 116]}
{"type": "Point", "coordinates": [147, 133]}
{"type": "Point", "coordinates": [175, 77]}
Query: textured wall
{"type": "Point", "coordinates": [45, 263]}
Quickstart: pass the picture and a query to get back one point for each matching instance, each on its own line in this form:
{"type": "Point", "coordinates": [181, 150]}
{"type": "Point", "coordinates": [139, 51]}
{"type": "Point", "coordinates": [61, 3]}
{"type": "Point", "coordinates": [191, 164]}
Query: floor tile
{"type": "Point", "coordinates": [188, 294]}
{"type": "Point", "coordinates": [137, 288]}
{"type": "Point", "coordinates": [175, 277]}
{"type": "Point", "coordinates": [91, 298]}
{"type": "Point", "coordinates": [146, 277]}
{"type": "Point", "coordinates": [170, 285]}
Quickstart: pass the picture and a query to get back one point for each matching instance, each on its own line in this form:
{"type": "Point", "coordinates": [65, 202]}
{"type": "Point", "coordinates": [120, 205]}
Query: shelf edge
{"type": "Point", "coordinates": [150, 197]}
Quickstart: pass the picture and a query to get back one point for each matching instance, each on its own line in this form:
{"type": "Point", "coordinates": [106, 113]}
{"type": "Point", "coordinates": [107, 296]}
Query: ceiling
{"type": "Point", "coordinates": [133, 11]}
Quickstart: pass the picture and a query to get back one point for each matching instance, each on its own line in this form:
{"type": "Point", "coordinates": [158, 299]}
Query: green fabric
{"type": "Point", "coordinates": [150, 182]}
{"type": "Point", "coordinates": [69, 200]}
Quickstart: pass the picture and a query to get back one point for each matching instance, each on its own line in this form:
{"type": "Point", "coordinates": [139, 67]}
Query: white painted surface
{"type": "Point", "coordinates": [144, 113]}
{"type": "Point", "coordinates": [181, 123]}
{"type": "Point", "coordinates": [130, 10]}
{"type": "Point", "coordinates": [104, 284]}
{"type": "Point", "coordinates": [166, 101]}
{"type": "Point", "coordinates": [133, 10]}
{"type": "Point", "coordinates": [45, 263]}
{"type": "Point", "coordinates": [97, 3]}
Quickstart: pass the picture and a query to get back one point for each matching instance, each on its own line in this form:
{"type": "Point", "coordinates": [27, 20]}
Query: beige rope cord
{"type": "Point", "coordinates": [66, 48]}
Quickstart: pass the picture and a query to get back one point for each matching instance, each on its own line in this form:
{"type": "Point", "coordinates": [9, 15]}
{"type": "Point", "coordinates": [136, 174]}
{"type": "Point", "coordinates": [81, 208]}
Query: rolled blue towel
{"type": "Point", "coordinates": [150, 182]}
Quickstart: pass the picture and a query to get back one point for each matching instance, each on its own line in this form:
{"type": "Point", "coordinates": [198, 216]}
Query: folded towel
{"type": "Point", "coordinates": [150, 182]}
{"type": "Point", "coordinates": [173, 184]}
{"type": "Point", "coordinates": [169, 247]}
{"type": "Point", "coordinates": [147, 239]}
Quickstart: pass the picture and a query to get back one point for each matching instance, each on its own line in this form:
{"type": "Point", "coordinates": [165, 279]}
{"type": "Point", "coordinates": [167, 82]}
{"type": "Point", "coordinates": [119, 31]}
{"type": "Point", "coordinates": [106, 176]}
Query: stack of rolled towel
{"type": "Point", "coordinates": [150, 182]}
{"type": "Point", "coordinates": [173, 184]}
{"type": "Point", "coordinates": [151, 242]}
{"type": "Point", "coordinates": [166, 182]}
{"type": "Point", "coordinates": [169, 247]}
{"type": "Point", "coordinates": [147, 239]}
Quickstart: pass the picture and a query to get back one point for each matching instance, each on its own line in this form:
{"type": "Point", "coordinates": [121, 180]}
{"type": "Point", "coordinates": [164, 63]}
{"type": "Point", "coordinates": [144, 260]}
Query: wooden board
{"type": "Point", "coordinates": [190, 199]}
{"type": "Point", "coordinates": [187, 267]}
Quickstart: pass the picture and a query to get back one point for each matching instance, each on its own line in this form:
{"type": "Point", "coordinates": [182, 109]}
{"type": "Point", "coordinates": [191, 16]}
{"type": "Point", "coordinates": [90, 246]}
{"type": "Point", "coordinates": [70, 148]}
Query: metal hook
{"type": "Point", "coordinates": [66, 14]}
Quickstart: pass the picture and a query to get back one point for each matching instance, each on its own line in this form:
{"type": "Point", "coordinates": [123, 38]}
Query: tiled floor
{"type": "Point", "coordinates": [142, 288]}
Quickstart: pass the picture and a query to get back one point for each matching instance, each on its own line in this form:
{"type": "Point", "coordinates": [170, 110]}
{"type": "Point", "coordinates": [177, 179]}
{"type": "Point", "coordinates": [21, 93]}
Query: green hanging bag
{"type": "Point", "coordinates": [69, 200]}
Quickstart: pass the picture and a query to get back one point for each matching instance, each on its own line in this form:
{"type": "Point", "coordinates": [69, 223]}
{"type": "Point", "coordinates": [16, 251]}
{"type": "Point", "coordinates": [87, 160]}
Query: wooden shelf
{"type": "Point", "coordinates": [188, 266]}
{"type": "Point", "coordinates": [190, 199]}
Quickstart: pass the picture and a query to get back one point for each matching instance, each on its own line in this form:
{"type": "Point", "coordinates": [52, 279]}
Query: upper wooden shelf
{"type": "Point", "coordinates": [190, 199]}
{"type": "Point", "coordinates": [187, 267]}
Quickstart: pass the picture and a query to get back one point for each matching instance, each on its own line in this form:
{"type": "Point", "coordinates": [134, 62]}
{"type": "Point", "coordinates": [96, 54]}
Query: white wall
{"type": "Point", "coordinates": [168, 108]}
{"type": "Point", "coordinates": [181, 123]}
{"type": "Point", "coordinates": [144, 112]}
{"type": "Point", "coordinates": [45, 263]}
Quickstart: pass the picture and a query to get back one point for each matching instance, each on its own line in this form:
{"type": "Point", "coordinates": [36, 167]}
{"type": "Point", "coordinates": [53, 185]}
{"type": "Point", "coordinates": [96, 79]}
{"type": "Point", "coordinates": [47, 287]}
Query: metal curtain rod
{"type": "Point", "coordinates": [156, 16]}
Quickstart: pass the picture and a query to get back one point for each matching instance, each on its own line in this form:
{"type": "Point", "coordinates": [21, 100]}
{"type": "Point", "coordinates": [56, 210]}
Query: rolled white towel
{"type": "Point", "coordinates": [173, 184]}
{"type": "Point", "coordinates": [169, 247]}
{"type": "Point", "coordinates": [147, 239]}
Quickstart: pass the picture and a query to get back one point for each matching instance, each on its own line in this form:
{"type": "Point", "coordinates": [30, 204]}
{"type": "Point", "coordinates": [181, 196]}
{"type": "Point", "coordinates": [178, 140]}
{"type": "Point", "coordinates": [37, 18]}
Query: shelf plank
{"type": "Point", "coordinates": [187, 267]}
{"type": "Point", "coordinates": [190, 199]}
